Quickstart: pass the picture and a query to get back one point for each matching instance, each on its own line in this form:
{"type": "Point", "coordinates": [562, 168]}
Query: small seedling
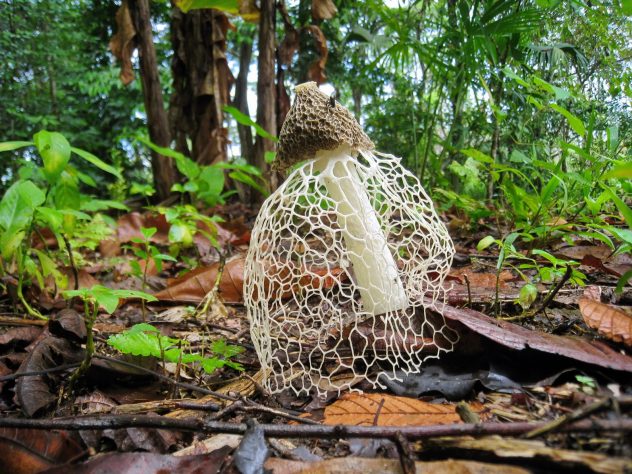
{"type": "Point", "coordinates": [147, 252]}
{"type": "Point", "coordinates": [145, 340]}
{"type": "Point", "coordinates": [94, 298]}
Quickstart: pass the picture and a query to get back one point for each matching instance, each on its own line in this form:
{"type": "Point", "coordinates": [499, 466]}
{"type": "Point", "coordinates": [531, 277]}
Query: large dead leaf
{"type": "Point", "coordinates": [609, 320]}
{"type": "Point", "coordinates": [122, 43]}
{"type": "Point", "coordinates": [519, 338]}
{"type": "Point", "coordinates": [323, 9]}
{"type": "Point", "coordinates": [598, 256]}
{"type": "Point", "coordinates": [193, 286]}
{"type": "Point", "coordinates": [352, 465]}
{"type": "Point", "coordinates": [382, 409]}
{"type": "Point", "coordinates": [35, 393]}
{"type": "Point", "coordinates": [316, 71]}
{"type": "Point", "coordinates": [27, 451]}
{"type": "Point", "coordinates": [151, 463]}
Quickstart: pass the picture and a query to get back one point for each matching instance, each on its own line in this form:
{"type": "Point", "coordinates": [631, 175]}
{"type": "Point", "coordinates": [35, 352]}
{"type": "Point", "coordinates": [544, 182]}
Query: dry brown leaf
{"type": "Point", "coordinates": [122, 43]}
{"type": "Point", "coordinates": [381, 409]}
{"type": "Point", "coordinates": [482, 280]}
{"type": "Point", "coordinates": [609, 320]}
{"type": "Point", "coordinates": [323, 9]}
{"type": "Point", "coordinates": [351, 465]}
{"type": "Point", "coordinates": [520, 338]}
{"type": "Point", "coordinates": [193, 286]}
{"type": "Point", "coordinates": [316, 70]}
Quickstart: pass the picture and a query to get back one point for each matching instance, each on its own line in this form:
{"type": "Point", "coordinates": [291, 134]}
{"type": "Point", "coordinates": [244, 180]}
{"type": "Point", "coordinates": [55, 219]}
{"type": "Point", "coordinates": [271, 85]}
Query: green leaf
{"type": "Point", "coordinates": [226, 6]}
{"type": "Point", "coordinates": [18, 205]}
{"type": "Point", "coordinates": [55, 152]}
{"type": "Point", "coordinates": [485, 242]}
{"type": "Point", "coordinates": [8, 146]}
{"type": "Point", "coordinates": [622, 206]}
{"type": "Point", "coordinates": [623, 171]}
{"type": "Point", "coordinates": [269, 156]}
{"type": "Point", "coordinates": [213, 177]}
{"type": "Point", "coordinates": [148, 232]}
{"type": "Point", "coordinates": [180, 233]}
{"type": "Point", "coordinates": [90, 158]}
{"type": "Point", "coordinates": [478, 155]}
{"type": "Point", "coordinates": [185, 165]}
{"type": "Point", "coordinates": [576, 124]}
{"type": "Point", "coordinates": [243, 119]}
{"type": "Point", "coordinates": [625, 278]}
{"type": "Point", "coordinates": [528, 294]}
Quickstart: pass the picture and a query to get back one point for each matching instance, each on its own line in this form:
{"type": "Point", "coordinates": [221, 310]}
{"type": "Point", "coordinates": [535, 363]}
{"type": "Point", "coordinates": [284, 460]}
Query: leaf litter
{"type": "Point", "coordinates": [566, 372]}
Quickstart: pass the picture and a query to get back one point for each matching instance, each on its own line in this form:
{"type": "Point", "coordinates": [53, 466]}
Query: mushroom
{"type": "Point", "coordinates": [341, 258]}
{"type": "Point", "coordinates": [320, 129]}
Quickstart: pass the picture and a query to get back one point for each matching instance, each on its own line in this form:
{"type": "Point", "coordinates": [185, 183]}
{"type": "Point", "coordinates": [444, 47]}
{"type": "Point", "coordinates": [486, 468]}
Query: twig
{"type": "Point", "coordinates": [20, 321]}
{"type": "Point", "coordinates": [570, 417]}
{"type": "Point", "coordinates": [556, 288]}
{"type": "Point", "coordinates": [405, 454]}
{"type": "Point", "coordinates": [59, 368]}
{"type": "Point", "coordinates": [469, 291]}
{"type": "Point", "coordinates": [307, 431]}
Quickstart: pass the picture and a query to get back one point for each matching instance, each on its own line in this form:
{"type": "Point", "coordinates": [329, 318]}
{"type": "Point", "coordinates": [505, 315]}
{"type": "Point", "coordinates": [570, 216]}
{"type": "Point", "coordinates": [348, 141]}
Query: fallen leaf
{"type": "Point", "coordinates": [35, 393]}
{"type": "Point", "coordinates": [68, 324]}
{"type": "Point", "coordinates": [609, 320]}
{"type": "Point", "coordinates": [19, 337]}
{"type": "Point", "coordinates": [523, 451]}
{"type": "Point", "coordinates": [151, 463]}
{"type": "Point", "coordinates": [382, 409]}
{"type": "Point", "coordinates": [26, 451]}
{"type": "Point", "coordinates": [193, 286]}
{"type": "Point", "coordinates": [352, 465]}
{"type": "Point", "coordinates": [316, 71]}
{"type": "Point", "coordinates": [253, 450]}
{"type": "Point", "coordinates": [520, 338]}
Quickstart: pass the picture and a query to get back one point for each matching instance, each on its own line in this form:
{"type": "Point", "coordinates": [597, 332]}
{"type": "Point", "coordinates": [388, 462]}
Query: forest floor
{"type": "Point", "coordinates": [542, 389]}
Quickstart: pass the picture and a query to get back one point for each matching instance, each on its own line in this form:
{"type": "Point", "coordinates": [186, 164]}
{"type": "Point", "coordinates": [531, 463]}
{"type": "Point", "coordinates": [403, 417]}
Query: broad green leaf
{"type": "Point", "coordinates": [8, 146]}
{"type": "Point", "coordinates": [90, 158]}
{"type": "Point", "coordinates": [55, 152]}
{"type": "Point", "coordinates": [18, 205]}
{"type": "Point", "coordinates": [625, 278]}
{"type": "Point", "coordinates": [10, 241]}
{"type": "Point", "coordinates": [512, 75]}
{"type": "Point", "coordinates": [148, 232]}
{"type": "Point", "coordinates": [485, 242]}
{"type": "Point", "coordinates": [180, 233]}
{"type": "Point", "coordinates": [226, 6]}
{"type": "Point", "coordinates": [478, 155]}
{"type": "Point", "coordinates": [625, 211]}
{"type": "Point", "coordinates": [49, 268]}
{"type": "Point", "coordinates": [185, 165]}
{"type": "Point", "coordinates": [245, 120]}
{"type": "Point", "coordinates": [623, 171]}
{"type": "Point", "coordinates": [576, 124]}
{"type": "Point", "coordinates": [95, 205]}
{"type": "Point", "coordinates": [269, 156]}
{"type": "Point", "coordinates": [213, 177]}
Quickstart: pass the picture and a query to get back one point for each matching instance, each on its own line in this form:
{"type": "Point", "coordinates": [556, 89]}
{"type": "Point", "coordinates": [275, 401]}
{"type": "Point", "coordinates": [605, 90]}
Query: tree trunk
{"type": "Point", "coordinates": [266, 93]}
{"type": "Point", "coordinates": [201, 82]}
{"type": "Point", "coordinates": [241, 100]}
{"type": "Point", "coordinates": [162, 166]}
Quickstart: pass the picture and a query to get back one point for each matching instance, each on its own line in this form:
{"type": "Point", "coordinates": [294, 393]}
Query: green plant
{"type": "Point", "coordinates": [145, 340]}
{"type": "Point", "coordinates": [26, 206]}
{"type": "Point", "coordinates": [550, 270]}
{"type": "Point", "coordinates": [206, 183]}
{"type": "Point", "coordinates": [94, 298]}
{"type": "Point", "coordinates": [147, 252]}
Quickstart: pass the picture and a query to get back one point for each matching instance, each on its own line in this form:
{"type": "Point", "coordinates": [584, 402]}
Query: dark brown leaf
{"type": "Point", "coordinates": [33, 392]}
{"type": "Point", "coordinates": [150, 463]}
{"type": "Point", "coordinates": [26, 451]}
{"type": "Point", "coordinates": [20, 337]}
{"type": "Point", "coordinates": [519, 338]}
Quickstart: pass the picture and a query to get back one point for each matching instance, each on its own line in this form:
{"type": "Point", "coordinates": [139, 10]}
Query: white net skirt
{"type": "Point", "coordinates": [345, 259]}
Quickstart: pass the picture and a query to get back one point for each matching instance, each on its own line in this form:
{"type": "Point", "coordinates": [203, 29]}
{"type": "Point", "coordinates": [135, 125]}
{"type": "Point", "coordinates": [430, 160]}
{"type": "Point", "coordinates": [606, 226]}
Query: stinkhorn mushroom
{"type": "Point", "coordinates": [343, 259]}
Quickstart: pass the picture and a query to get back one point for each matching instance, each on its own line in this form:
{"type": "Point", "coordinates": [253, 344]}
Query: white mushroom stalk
{"type": "Point", "coordinates": [374, 267]}
{"type": "Point", "coordinates": [343, 259]}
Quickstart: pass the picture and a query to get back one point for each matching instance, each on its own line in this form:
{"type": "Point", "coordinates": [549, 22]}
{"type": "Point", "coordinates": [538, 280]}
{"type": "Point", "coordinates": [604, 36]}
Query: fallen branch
{"type": "Point", "coordinates": [308, 431]}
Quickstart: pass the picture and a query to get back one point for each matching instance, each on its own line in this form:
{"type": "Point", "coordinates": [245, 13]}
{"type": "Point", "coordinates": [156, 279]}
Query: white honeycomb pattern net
{"type": "Point", "coordinates": [307, 319]}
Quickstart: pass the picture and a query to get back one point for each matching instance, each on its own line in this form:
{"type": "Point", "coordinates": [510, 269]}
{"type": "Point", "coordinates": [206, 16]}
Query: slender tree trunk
{"type": "Point", "coordinates": [241, 100]}
{"type": "Point", "coordinates": [266, 93]}
{"type": "Point", "coordinates": [201, 81]}
{"type": "Point", "coordinates": [162, 166]}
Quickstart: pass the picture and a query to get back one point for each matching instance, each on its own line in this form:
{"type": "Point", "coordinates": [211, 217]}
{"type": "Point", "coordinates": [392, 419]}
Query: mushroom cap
{"type": "Point", "coordinates": [316, 122]}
